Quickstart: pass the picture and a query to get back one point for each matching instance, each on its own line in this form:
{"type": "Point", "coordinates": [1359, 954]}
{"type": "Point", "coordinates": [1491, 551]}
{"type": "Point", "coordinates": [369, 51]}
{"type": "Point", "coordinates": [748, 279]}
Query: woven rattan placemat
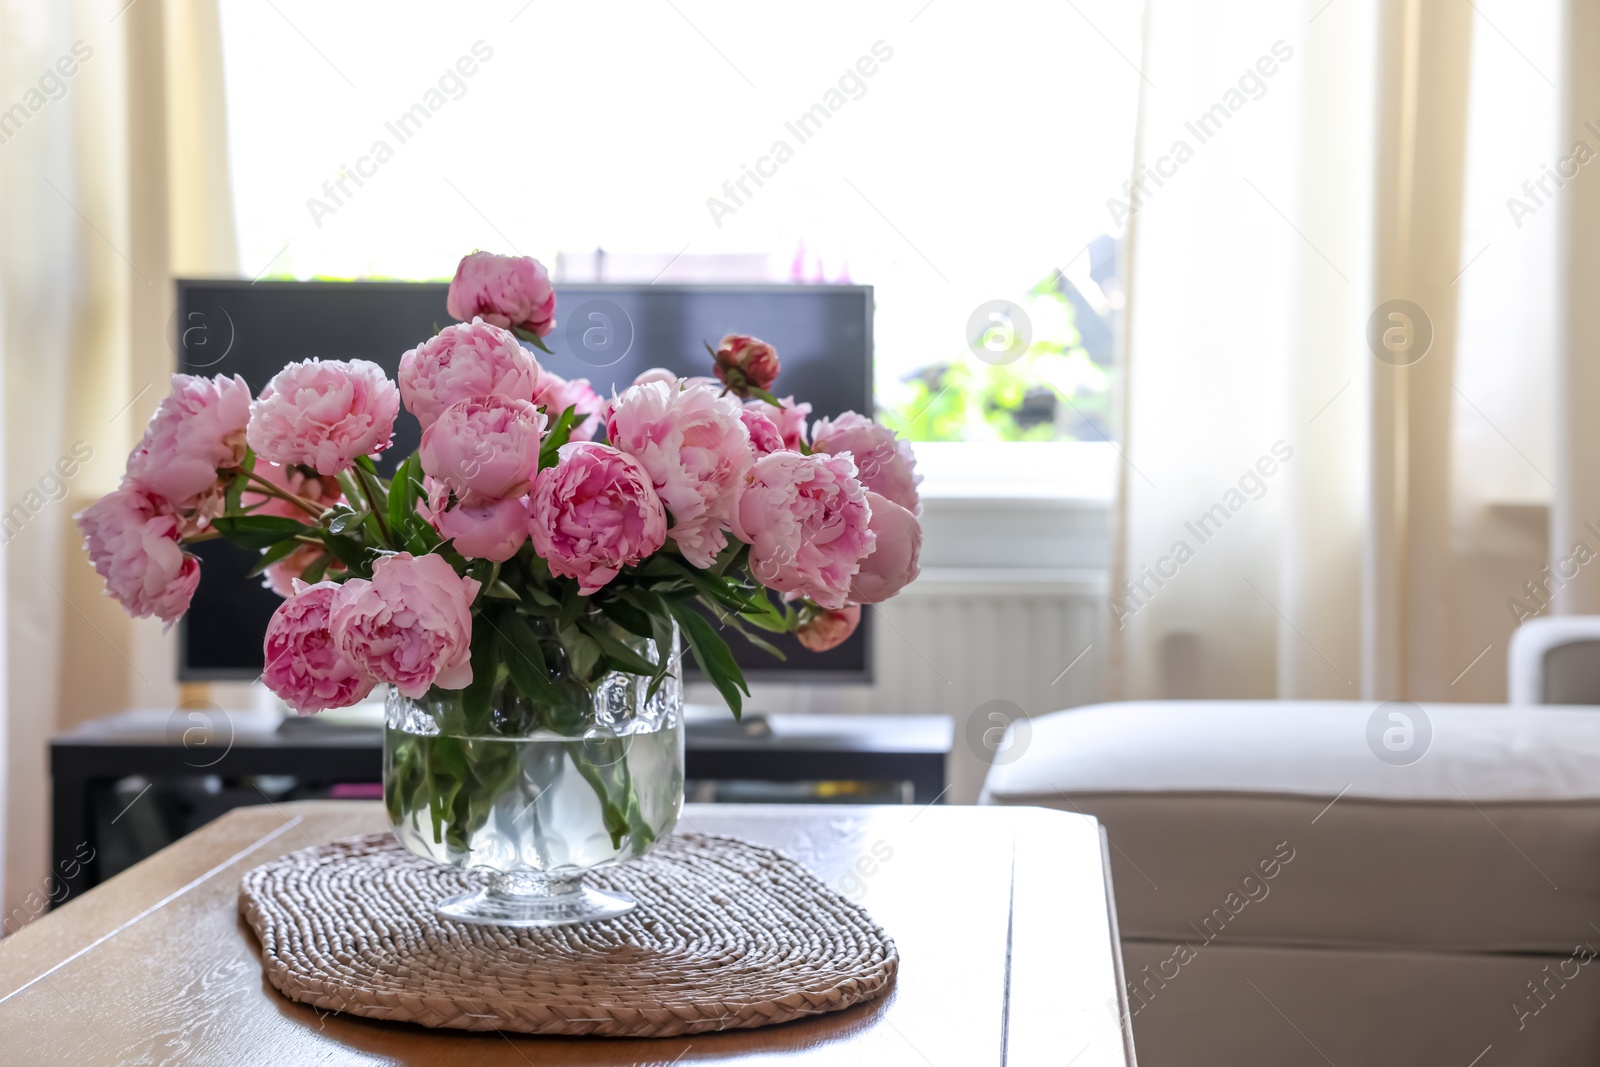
{"type": "Point", "coordinates": [727, 935]}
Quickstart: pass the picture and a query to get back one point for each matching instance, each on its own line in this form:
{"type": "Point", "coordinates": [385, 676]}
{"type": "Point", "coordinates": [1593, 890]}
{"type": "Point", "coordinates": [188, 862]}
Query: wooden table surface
{"type": "Point", "coordinates": [1002, 916]}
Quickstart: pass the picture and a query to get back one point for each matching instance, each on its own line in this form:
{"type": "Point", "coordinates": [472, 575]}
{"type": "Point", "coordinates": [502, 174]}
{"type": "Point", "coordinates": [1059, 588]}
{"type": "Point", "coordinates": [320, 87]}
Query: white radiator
{"type": "Point", "coordinates": [983, 646]}
{"type": "Point", "coordinates": [980, 646]}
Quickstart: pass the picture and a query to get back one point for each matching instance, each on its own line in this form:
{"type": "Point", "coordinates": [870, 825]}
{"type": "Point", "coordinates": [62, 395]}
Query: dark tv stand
{"type": "Point", "coordinates": [165, 745]}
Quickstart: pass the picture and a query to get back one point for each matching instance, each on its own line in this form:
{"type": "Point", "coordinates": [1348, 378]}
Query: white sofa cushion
{"type": "Point", "coordinates": [1309, 748]}
{"type": "Point", "coordinates": [1489, 842]}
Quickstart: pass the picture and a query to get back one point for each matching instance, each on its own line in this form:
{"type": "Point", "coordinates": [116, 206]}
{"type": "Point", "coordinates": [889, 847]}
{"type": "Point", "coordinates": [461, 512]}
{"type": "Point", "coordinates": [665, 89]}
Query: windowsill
{"type": "Point", "coordinates": [1020, 472]}
{"type": "Point", "coordinates": [1009, 581]}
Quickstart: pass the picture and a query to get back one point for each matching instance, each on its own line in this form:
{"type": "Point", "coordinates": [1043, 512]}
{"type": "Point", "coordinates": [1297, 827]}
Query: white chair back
{"type": "Point", "coordinates": [1555, 660]}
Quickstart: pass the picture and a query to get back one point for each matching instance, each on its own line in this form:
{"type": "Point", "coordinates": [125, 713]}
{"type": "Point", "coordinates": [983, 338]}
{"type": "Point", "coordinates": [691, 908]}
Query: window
{"type": "Point", "coordinates": [960, 159]}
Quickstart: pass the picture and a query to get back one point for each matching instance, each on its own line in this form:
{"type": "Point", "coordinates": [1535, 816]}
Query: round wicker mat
{"type": "Point", "coordinates": [727, 935]}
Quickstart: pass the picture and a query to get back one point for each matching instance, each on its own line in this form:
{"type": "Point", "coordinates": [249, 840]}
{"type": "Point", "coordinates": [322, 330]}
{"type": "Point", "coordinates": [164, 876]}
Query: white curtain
{"type": "Point", "coordinates": [113, 180]}
{"type": "Point", "coordinates": [1298, 517]}
{"type": "Point", "coordinates": [1248, 270]}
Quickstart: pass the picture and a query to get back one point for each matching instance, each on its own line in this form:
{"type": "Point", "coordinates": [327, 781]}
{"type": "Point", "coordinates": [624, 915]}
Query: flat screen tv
{"type": "Point", "coordinates": [605, 333]}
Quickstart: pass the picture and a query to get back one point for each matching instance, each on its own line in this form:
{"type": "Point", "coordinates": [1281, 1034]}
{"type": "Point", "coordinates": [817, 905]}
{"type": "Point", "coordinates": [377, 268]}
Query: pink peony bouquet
{"type": "Point", "coordinates": [530, 499]}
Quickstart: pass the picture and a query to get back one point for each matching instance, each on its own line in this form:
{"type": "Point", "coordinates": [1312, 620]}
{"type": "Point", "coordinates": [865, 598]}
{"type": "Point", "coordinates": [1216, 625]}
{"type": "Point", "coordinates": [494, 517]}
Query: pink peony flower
{"type": "Point", "coordinates": [827, 629]}
{"type": "Point", "coordinates": [696, 450]}
{"type": "Point", "coordinates": [764, 433]}
{"type": "Point", "coordinates": [806, 521]}
{"type": "Point", "coordinates": [594, 513]}
{"type": "Point", "coordinates": [464, 360]}
{"type": "Point", "coordinates": [132, 540]}
{"type": "Point", "coordinates": [656, 374]}
{"type": "Point", "coordinates": [323, 413]}
{"type": "Point", "coordinates": [505, 290]}
{"type": "Point", "coordinates": [281, 576]}
{"type": "Point", "coordinates": [893, 563]}
{"type": "Point", "coordinates": [744, 363]}
{"type": "Point", "coordinates": [197, 430]}
{"type": "Point", "coordinates": [410, 626]}
{"type": "Point", "coordinates": [302, 664]}
{"type": "Point", "coordinates": [886, 464]}
{"type": "Point", "coordinates": [788, 417]}
{"type": "Point", "coordinates": [482, 528]}
{"type": "Point", "coordinates": [556, 394]}
{"type": "Point", "coordinates": [301, 481]}
{"type": "Point", "coordinates": [487, 446]}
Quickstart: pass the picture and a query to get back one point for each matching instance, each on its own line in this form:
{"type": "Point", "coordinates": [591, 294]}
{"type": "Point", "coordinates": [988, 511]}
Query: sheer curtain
{"type": "Point", "coordinates": [112, 180]}
{"type": "Point", "coordinates": [1245, 383]}
{"type": "Point", "coordinates": [1337, 407]}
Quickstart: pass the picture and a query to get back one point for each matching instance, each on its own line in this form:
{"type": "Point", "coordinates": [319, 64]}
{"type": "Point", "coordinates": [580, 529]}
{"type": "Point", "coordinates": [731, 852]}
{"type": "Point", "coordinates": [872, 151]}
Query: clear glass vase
{"type": "Point", "coordinates": [542, 792]}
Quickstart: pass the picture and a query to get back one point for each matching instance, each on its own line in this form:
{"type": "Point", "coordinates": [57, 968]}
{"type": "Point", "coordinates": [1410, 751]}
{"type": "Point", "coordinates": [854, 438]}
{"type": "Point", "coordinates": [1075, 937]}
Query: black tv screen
{"type": "Point", "coordinates": [605, 333]}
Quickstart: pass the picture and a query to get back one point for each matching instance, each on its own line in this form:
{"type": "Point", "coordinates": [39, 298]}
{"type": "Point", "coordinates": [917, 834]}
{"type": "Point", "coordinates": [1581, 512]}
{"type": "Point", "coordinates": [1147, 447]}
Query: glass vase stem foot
{"type": "Point", "coordinates": [534, 900]}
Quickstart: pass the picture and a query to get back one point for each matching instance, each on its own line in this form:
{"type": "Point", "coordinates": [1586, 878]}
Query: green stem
{"type": "Point", "coordinates": [636, 824]}
{"type": "Point", "coordinates": [369, 491]}
{"type": "Point", "coordinates": [266, 488]}
{"type": "Point", "coordinates": [615, 817]}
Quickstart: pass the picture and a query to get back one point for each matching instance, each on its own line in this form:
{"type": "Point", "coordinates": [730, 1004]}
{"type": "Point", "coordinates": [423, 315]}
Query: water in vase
{"type": "Point", "coordinates": [543, 803]}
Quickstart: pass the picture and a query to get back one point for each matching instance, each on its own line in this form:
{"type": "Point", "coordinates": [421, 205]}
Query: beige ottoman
{"type": "Point", "coordinates": [1355, 883]}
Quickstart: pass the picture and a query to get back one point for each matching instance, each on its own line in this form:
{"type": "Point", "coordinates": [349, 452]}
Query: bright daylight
{"type": "Point", "coordinates": [679, 532]}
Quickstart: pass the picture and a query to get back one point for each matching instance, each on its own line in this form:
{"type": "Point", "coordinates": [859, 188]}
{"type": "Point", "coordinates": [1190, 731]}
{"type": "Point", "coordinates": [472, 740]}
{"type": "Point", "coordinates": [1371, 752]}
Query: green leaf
{"type": "Point", "coordinates": [447, 549]}
{"type": "Point", "coordinates": [533, 339]}
{"type": "Point", "coordinates": [401, 767]}
{"type": "Point", "coordinates": [559, 433]}
{"type": "Point", "coordinates": [611, 814]}
{"type": "Point", "coordinates": [617, 653]}
{"type": "Point", "coordinates": [484, 572]}
{"type": "Point", "coordinates": [573, 605]}
{"type": "Point", "coordinates": [499, 590]}
{"type": "Point", "coordinates": [760, 642]}
{"type": "Point", "coordinates": [475, 698]}
{"type": "Point", "coordinates": [628, 616]}
{"type": "Point", "coordinates": [660, 566]}
{"type": "Point", "coordinates": [766, 615]}
{"type": "Point", "coordinates": [733, 553]}
{"type": "Point", "coordinates": [319, 566]}
{"type": "Point", "coordinates": [763, 395]}
{"type": "Point", "coordinates": [256, 532]}
{"type": "Point", "coordinates": [231, 500]}
{"type": "Point", "coordinates": [349, 551]}
{"type": "Point", "coordinates": [350, 486]}
{"type": "Point", "coordinates": [648, 601]}
{"type": "Point", "coordinates": [662, 625]}
{"type": "Point", "coordinates": [540, 597]}
{"type": "Point", "coordinates": [523, 656]}
{"type": "Point", "coordinates": [419, 536]}
{"type": "Point", "coordinates": [582, 651]}
{"type": "Point", "coordinates": [716, 588]}
{"type": "Point", "coordinates": [346, 520]}
{"type": "Point", "coordinates": [712, 655]}
{"type": "Point", "coordinates": [273, 555]}
{"type": "Point", "coordinates": [655, 609]}
{"type": "Point", "coordinates": [402, 496]}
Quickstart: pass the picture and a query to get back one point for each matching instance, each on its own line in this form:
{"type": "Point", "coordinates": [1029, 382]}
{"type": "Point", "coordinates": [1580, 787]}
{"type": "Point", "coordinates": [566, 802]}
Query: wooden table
{"type": "Point", "coordinates": [1003, 917]}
